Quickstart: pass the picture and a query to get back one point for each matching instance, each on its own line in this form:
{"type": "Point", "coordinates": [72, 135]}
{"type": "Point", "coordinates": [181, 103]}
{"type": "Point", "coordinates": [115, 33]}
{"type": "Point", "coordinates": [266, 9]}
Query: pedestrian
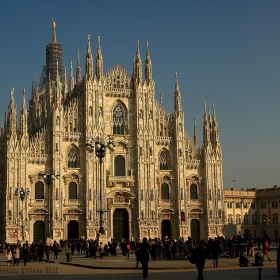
{"type": "Point", "coordinates": [25, 254]}
{"type": "Point", "coordinates": [216, 251]}
{"type": "Point", "coordinates": [137, 251]}
{"type": "Point", "coordinates": [101, 250]}
{"type": "Point", "coordinates": [127, 249]}
{"type": "Point", "coordinates": [265, 249]}
{"type": "Point", "coordinates": [200, 256]}
{"type": "Point", "coordinates": [144, 256]}
{"type": "Point", "coordinates": [16, 254]}
{"type": "Point", "coordinates": [9, 256]}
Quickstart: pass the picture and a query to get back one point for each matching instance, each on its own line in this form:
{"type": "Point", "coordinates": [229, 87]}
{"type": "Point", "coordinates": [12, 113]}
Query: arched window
{"type": "Point", "coordinates": [164, 191]}
{"type": "Point", "coordinates": [118, 119]}
{"type": "Point", "coordinates": [39, 190]}
{"type": "Point", "coordinates": [119, 166]}
{"type": "Point", "coordinates": [193, 191]}
{"type": "Point", "coordinates": [163, 161]}
{"type": "Point", "coordinates": [73, 191]}
{"type": "Point", "coordinates": [72, 157]}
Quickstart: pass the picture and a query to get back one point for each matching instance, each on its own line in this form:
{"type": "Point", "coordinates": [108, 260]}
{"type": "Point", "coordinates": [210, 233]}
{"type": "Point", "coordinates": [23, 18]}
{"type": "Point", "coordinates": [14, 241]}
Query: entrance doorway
{"type": "Point", "coordinates": [39, 232]}
{"type": "Point", "coordinates": [120, 224]}
{"type": "Point", "coordinates": [73, 230]}
{"type": "Point", "coordinates": [165, 229]}
{"type": "Point", "coordinates": [195, 229]}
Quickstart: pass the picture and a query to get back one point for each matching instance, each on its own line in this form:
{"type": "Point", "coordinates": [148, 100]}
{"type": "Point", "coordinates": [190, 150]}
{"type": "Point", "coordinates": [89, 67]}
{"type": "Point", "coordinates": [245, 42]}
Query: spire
{"type": "Point", "coordinates": [177, 96]}
{"type": "Point", "coordinates": [206, 129]}
{"type": "Point", "coordinates": [71, 80]}
{"type": "Point", "coordinates": [215, 130]}
{"type": "Point", "coordinates": [98, 61]}
{"type": "Point", "coordinates": [137, 66]}
{"type": "Point", "coordinates": [78, 71]}
{"type": "Point", "coordinates": [148, 66]}
{"type": "Point", "coordinates": [54, 32]}
{"type": "Point", "coordinates": [65, 83]}
{"type": "Point", "coordinates": [23, 115]}
{"type": "Point", "coordinates": [89, 70]}
{"type": "Point", "coordinates": [195, 138]}
{"type": "Point", "coordinates": [12, 116]}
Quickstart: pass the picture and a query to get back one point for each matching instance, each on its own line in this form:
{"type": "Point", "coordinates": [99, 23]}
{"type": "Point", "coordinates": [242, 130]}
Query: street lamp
{"type": "Point", "coordinates": [100, 152]}
{"type": "Point", "coordinates": [49, 177]}
{"type": "Point", "coordinates": [21, 192]}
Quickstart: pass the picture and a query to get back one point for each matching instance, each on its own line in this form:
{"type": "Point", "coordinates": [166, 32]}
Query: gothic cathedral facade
{"type": "Point", "coordinates": [156, 181]}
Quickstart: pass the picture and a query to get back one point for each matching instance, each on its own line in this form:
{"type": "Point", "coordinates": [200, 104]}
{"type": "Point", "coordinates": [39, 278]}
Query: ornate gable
{"type": "Point", "coordinates": [118, 78]}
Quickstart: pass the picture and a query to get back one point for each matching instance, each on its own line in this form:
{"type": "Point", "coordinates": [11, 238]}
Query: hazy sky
{"type": "Point", "coordinates": [225, 52]}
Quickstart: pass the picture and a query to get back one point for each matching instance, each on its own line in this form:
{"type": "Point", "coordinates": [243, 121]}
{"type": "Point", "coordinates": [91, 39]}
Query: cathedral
{"type": "Point", "coordinates": [150, 179]}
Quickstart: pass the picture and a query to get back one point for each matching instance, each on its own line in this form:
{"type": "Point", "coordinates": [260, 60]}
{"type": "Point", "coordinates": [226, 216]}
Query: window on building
{"type": "Point", "coordinates": [229, 204]}
{"type": "Point", "coordinates": [230, 220]}
{"type": "Point", "coordinates": [118, 119]}
{"type": "Point", "coordinates": [72, 157]}
{"type": "Point", "coordinates": [193, 191]}
{"type": "Point", "coordinates": [253, 205]}
{"type": "Point", "coordinates": [238, 220]}
{"type": "Point", "coordinates": [254, 220]}
{"type": "Point", "coordinates": [211, 214]}
{"type": "Point", "coordinates": [39, 190]}
{"type": "Point", "coordinates": [119, 166]}
{"type": "Point", "coordinates": [164, 191]}
{"type": "Point", "coordinates": [245, 205]}
{"type": "Point", "coordinates": [73, 191]}
{"type": "Point", "coordinates": [264, 220]}
{"type": "Point", "coordinates": [237, 205]}
{"type": "Point", "coordinates": [263, 205]}
{"type": "Point", "coordinates": [246, 220]}
{"type": "Point", "coordinates": [163, 161]}
{"type": "Point", "coordinates": [274, 204]}
{"type": "Point", "coordinates": [275, 220]}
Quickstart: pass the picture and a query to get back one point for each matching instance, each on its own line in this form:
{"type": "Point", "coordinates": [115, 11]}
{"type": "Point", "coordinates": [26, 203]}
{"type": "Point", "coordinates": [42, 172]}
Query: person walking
{"type": "Point", "coordinates": [16, 254]}
{"type": "Point", "coordinates": [200, 256]}
{"type": "Point", "coordinates": [127, 249]}
{"type": "Point", "coordinates": [265, 250]}
{"type": "Point", "coordinates": [216, 251]}
{"type": "Point", "coordinates": [101, 250]}
{"type": "Point", "coordinates": [144, 256]}
{"type": "Point", "coordinates": [9, 256]}
{"type": "Point", "coordinates": [25, 254]}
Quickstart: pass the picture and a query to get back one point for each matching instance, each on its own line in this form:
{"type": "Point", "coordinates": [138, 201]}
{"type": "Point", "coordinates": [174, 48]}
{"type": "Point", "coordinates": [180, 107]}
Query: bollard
{"type": "Point", "coordinates": [260, 273]}
{"type": "Point", "coordinates": [68, 257]}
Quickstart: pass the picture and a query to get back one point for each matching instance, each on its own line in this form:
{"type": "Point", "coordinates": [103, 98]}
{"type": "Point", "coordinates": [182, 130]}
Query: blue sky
{"type": "Point", "coordinates": [225, 52]}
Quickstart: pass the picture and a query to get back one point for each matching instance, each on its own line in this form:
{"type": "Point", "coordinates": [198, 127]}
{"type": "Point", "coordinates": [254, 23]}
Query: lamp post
{"type": "Point", "coordinates": [100, 152]}
{"type": "Point", "coordinates": [49, 177]}
{"type": "Point", "coordinates": [21, 192]}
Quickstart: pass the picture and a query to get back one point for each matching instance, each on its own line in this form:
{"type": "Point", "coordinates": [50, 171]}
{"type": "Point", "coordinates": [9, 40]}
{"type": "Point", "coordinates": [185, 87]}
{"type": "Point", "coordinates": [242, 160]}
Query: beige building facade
{"type": "Point", "coordinates": [253, 212]}
{"type": "Point", "coordinates": [155, 182]}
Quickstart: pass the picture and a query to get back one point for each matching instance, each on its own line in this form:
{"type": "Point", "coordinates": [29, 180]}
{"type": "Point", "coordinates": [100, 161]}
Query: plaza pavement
{"type": "Point", "coordinates": [120, 262]}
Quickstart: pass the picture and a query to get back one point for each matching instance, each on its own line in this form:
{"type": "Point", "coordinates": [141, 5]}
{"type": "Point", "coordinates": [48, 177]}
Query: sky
{"type": "Point", "coordinates": [225, 52]}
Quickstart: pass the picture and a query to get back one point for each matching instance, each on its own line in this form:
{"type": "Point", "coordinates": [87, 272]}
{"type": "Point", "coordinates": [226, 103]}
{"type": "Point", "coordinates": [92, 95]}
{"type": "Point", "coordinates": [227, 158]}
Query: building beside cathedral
{"type": "Point", "coordinates": [156, 181]}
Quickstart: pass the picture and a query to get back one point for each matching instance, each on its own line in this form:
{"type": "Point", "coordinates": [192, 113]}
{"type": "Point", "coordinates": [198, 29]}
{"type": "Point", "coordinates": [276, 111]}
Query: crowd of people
{"type": "Point", "coordinates": [197, 251]}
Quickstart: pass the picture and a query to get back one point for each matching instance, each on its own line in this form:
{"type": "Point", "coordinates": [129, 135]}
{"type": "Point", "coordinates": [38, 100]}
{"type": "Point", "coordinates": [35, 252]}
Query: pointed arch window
{"type": "Point", "coordinates": [39, 190]}
{"type": "Point", "coordinates": [73, 157]}
{"type": "Point", "coordinates": [163, 161]}
{"type": "Point", "coordinates": [73, 194]}
{"type": "Point", "coordinates": [119, 164]}
{"type": "Point", "coordinates": [118, 119]}
{"type": "Point", "coordinates": [164, 191]}
{"type": "Point", "coordinates": [193, 191]}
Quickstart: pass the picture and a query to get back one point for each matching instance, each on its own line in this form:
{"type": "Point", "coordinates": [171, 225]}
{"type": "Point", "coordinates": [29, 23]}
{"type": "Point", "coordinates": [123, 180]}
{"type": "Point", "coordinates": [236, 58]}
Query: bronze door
{"type": "Point", "coordinates": [39, 231]}
{"type": "Point", "coordinates": [120, 224]}
{"type": "Point", "coordinates": [195, 229]}
{"type": "Point", "coordinates": [73, 230]}
{"type": "Point", "coordinates": [165, 229]}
